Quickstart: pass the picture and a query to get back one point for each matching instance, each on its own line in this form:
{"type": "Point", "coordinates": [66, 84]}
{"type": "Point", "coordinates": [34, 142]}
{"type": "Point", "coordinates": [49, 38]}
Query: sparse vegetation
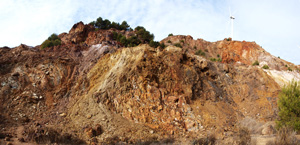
{"type": "Point", "coordinates": [52, 40]}
{"type": "Point", "coordinates": [279, 57]}
{"type": "Point", "coordinates": [178, 45]}
{"type": "Point", "coordinates": [171, 34]}
{"type": "Point", "coordinates": [154, 44]}
{"type": "Point", "coordinates": [209, 140]}
{"type": "Point", "coordinates": [130, 42]}
{"type": "Point", "coordinates": [289, 69]}
{"type": "Point", "coordinates": [162, 45]}
{"type": "Point", "coordinates": [243, 135]}
{"type": "Point", "coordinates": [200, 52]}
{"type": "Point", "coordinates": [288, 105]}
{"type": "Point", "coordinates": [49, 136]}
{"type": "Point", "coordinates": [169, 41]}
{"type": "Point", "coordinates": [229, 39]}
{"type": "Point", "coordinates": [265, 67]}
{"type": "Point", "coordinates": [255, 63]}
{"type": "Point", "coordinates": [142, 37]}
{"type": "Point", "coordinates": [181, 41]}
{"type": "Point", "coordinates": [195, 47]}
{"type": "Point", "coordinates": [286, 65]}
{"type": "Point", "coordinates": [216, 59]}
{"type": "Point", "coordinates": [218, 55]}
{"type": "Point", "coordinates": [285, 136]}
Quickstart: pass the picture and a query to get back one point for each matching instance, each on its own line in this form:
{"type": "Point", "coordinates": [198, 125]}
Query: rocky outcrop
{"type": "Point", "coordinates": [77, 34]}
{"type": "Point", "coordinates": [94, 89]}
{"type": "Point", "coordinates": [175, 92]}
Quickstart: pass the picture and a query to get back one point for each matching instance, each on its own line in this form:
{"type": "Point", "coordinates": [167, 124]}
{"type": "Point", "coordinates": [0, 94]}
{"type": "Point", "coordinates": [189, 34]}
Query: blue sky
{"type": "Point", "coordinates": [273, 24]}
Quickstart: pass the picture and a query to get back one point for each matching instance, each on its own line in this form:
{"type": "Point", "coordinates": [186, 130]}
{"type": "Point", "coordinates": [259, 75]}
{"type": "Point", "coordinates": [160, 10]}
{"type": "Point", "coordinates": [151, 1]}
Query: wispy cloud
{"type": "Point", "coordinates": [272, 24]}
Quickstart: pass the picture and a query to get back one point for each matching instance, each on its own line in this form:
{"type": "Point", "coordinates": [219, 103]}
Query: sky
{"type": "Point", "coordinates": [273, 24]}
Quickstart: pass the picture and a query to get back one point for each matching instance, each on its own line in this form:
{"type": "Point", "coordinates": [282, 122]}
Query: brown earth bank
{"type": "Point", "coordinates": [92, 90]}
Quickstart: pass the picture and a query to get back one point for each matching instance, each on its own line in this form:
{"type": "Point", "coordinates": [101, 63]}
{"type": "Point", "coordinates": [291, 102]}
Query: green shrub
{"type": "Point", "coordinates": [115, 35]}
{"type": "Point", "coordinates": [106, 24]}
{"type": "Point", "coordinates": [216, 59]}
{"type": "Point", "coordinates": [162, 45]}
{"type": "Point", "coordinates": [181, 41]}
{"type": "Point", "coordinates": [170, 34]}
{"type": "Point", "coordinates": [124, 26]}
{"type": "Point", "coordinates": [178, 45]}
{"type": "Point", "coordinates": [52, 40]}
{"type": "Point", "coordinates": [200, 52]}
{"type": "Point", "coordinates": [126, 42]}
{"type": "Point", "coordinates": [286, 66]}
{"type": "Point", "coordinates": [213, 59]}
{"type": "Point", "coordinates": [169, 41]}
{"type": "Point", "coordinates": [195, 47]}
{"type": "Point", "coordinates": [255, 63]}
{"type": "Point", "coordinates": [133, 41]}
{"type": "Point", "coordinates": [123, 41]}
{"type": "Point", "coordinates": [229, 39]}
{"type": "Point", "coordinates": [154, 44]}
{"type": "Point", "coordinates": [265, 67]}
{"type": "Point", "coordinates": [289, 69]}
{"type": "Point", "coordinates": [143, 35]}
{"type": "Point", "coordinates": [289, 106]}
{"type": "Point", "coordinates": [92, 23]}
{"type": "Point", "coordinates": [115, 25]}
{"type": "Point", "coordinates": [218, 55]}
{"type": "Point", "coordinates": [53, 37]}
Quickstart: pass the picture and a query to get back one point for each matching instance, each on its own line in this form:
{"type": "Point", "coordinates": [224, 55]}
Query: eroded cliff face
{"type": "Point", "coordinates": [94, 90]}
{"type": "Point", "coordinates": [176, 92]}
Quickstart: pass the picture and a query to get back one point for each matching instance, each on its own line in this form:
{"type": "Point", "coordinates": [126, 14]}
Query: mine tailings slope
{"type": "Point", "coordinates": [92, 88]}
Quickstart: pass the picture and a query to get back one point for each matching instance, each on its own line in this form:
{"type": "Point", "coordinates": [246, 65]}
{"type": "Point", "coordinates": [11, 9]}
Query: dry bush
{"type": "Point", "coordinates": [285, 136]}
{"type": "Point", "coordinates": [2, 135]}
{"type": "Point", "coordinates": [243, 135]}
{"type": "Point", "coordinates": [116, 140]}
{"type": "Point", "coordinates": [154, 141]}
{"type": "Point", "coordinates": [209, 140]}
{"type": "Point", "coordinates": [44, 135]}
{"type": "Point", "coordinates": [255, 127]}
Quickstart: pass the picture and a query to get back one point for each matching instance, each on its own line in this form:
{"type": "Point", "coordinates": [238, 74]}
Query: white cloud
{"type": "Point", "coordinates": [272, 24]}
{"type": "Point", "coordinates": [31, 22]}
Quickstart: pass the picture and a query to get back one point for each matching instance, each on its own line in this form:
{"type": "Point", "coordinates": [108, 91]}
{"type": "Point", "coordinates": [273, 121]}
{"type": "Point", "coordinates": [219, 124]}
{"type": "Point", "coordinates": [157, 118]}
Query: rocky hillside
{"type": "Point", "coordinates": [91, 89]}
